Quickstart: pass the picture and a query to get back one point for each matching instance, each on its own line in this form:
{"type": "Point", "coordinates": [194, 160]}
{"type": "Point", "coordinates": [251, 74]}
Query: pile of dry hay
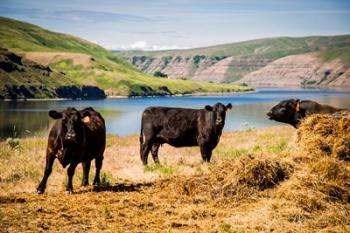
{"type": "Point", "coordinates": [306, 187]}
{"type": "Point", "coordinates": [234, 180]}
{"type": "Point", "coordinates": [325, 135]}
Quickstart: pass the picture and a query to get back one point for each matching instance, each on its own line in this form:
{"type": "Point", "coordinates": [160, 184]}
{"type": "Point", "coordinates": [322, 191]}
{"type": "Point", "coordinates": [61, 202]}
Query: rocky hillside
{"type": "Point", "coordinates": [304, 69]}
{"type": "Point", "coordinates": [243, 62]}
{"type": "Point", "coordinates": [199, 67]}
{"type": "Point", "coordinates": [37, 63]}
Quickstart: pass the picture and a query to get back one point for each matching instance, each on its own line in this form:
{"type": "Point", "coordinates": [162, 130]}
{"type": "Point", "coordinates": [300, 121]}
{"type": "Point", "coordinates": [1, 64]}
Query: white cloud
{"type": "Point", "coordinates": [143, 45]}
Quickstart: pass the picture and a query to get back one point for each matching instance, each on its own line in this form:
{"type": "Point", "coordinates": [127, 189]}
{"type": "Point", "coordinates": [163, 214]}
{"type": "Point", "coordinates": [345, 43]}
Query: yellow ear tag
{"type": "Point", "coordinates": [297, 108]}
{"type": "Point", "coordinates": [86, 119]}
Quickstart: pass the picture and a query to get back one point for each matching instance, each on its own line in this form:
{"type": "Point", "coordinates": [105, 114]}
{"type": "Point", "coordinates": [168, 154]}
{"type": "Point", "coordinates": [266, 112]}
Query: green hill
{"type": "Point", "coordinates": [269, 48]}
{"type": "Point", "coordinates": [78, 63]}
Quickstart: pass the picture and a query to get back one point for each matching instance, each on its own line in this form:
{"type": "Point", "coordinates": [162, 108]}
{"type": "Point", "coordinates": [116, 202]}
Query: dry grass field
{"type": "Point", "coordinates": [260, 180]}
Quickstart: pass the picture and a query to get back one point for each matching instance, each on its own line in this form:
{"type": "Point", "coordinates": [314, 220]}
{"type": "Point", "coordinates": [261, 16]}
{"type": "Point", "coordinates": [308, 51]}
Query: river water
{"type": "Point", "coordinates": [30, 118]}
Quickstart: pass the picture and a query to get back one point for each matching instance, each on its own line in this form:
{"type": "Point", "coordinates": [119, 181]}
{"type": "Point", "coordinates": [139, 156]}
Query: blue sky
{"type": "Point", "coordinates": [166, 24]}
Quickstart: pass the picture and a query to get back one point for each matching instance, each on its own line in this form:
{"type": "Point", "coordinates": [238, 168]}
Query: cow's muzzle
{"type": "Point", "coordinates": [219, 122]}
{"type": "Point", "coordinates": [270, 115]}
{"type": "Point", "coordinates": [70, 137]}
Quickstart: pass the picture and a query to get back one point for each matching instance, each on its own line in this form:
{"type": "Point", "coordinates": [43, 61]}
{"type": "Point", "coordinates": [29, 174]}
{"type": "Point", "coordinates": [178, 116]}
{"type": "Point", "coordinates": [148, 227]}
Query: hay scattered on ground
{"type": "Point", "coordinates": [289, 190]}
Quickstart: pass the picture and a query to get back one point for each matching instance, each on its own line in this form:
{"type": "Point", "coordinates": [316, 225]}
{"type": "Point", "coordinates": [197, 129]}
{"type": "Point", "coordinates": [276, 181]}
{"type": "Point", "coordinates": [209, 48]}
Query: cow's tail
{"type": "Point", "coordinates": [141, 133]}
{"type": "Point", "coordinates": [141, 140]}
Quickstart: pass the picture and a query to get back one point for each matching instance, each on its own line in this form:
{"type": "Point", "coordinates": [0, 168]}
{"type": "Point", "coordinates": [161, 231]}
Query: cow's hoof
{"type": "Point", "coordinates": [39, 192]}
{"type": "Point", "coordinates": [69, 192]}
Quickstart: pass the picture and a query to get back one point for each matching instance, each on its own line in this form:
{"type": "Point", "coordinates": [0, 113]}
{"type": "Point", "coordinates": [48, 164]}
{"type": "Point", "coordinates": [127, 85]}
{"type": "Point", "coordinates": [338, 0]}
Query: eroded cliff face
{"type": "Point", "coordinates": [199, 68]}
{"type": "Point", "coordinates": [296, 70]}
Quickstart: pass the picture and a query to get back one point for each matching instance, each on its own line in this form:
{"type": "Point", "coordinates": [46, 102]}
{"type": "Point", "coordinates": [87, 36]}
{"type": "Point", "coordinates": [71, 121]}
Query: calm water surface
{"type": "Point", "coordinates": [28, 118]}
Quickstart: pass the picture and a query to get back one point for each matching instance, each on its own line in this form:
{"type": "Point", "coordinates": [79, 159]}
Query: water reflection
{"type": "Point", "coordinates": [123, 115]}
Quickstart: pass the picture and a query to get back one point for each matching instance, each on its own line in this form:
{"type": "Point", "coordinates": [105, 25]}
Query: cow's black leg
{"type": "Point", "coordinates": [70, 172]}
{"type": "Point", "coordinates": [50, 158]}
{"type": "Point", "coordinates": [98, 164]}
{"type": "Point", "coordinates": [206, 153]}
{"type": "Point", "coordinates": [208, 157]}
{"type": "Point", "coordinates": [154, 151]}
{"type": "Point", "coordinates": [146, 147]}
{"type": "Point", "coordinates": [86, 170]}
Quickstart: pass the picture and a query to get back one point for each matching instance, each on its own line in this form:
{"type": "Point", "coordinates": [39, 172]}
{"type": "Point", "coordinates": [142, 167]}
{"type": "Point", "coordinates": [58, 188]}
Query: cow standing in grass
{"type": "Point", "coordinates": [181, 127]}
{"type": "Point", "coordinates": [292, 111]}
{"type": "Point", "coordinates": [76, 137]}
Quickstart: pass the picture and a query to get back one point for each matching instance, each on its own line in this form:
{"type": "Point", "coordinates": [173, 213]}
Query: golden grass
{"type": "Point", "coordinates": [258, 181]}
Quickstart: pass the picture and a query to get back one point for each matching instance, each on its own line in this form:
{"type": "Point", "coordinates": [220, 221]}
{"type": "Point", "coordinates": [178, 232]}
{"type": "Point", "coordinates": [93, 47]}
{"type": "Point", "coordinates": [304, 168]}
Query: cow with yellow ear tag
{"type": "Point", "coordinates": [76, 137]}
{"type": "Point", "coordinates": [292, 111]}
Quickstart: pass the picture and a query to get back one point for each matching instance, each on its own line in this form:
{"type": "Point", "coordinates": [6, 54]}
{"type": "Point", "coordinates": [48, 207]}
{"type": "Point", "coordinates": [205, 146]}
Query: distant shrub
{"type": "Point", "coordinates": [197, 59]}
{"type": "Point", "coordinates": [325, 76]}
{"type": "Point", "coordinates": [13, 142]}
{"type": "Point", "coordinates": [159, 74]}
{"type": "Point", "coordinates": [312, 82]}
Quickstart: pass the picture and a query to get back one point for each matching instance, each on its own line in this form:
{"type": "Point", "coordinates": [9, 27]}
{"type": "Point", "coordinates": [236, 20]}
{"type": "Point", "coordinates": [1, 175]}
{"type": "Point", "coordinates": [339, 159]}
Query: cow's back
{"type": "Point", "coordinates": [314, 107]}
{"type": "Point", "coordinates": [176, 126]}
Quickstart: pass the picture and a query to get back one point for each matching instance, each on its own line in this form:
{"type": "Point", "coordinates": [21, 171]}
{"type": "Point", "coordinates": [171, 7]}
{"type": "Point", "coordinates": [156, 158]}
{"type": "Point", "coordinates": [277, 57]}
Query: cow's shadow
{"type": "Point", "coordinates": [121, 187]}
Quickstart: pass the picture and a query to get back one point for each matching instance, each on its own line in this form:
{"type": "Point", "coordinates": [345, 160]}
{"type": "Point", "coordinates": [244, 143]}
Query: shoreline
{"type": "Point", "coordinates": [195, 94]}
{"type": "Point", "coordinates": [131, 97]}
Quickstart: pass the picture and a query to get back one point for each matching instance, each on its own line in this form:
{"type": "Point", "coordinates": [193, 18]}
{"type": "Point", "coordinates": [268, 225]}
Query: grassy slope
{"type": "Point", "coordinates": [176, 201]}
{"type": "Point", "coordinates": [270, 48]}
{"type": "Point", "coordinates": [332, 54]}
{"type": "Point", "coordinates": [108, 70]}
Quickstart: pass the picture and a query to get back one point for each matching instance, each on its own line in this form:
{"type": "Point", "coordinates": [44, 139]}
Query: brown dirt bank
{"type": "Point", "coordinates": [47, 58]}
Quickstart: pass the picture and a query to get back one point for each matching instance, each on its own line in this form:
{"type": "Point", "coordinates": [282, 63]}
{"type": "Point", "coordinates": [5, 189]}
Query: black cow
{"type": "Point", "coordinates": [292, 111]}
{"type": "Point", "coordinates": [181, 127]}
{"type": "Point", "coordinates": [76, 137]}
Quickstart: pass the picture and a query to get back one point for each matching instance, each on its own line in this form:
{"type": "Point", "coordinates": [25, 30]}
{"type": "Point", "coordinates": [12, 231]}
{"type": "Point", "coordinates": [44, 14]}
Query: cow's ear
{"type": "Point", "coordinates": [85, 117]}
{"type": "Point", "coordinates": [209, 108]}
{"type": "Point", "coordinates": [228, 107]}
{"type": "Point", "coordinates": [55, 115]}
{"type": "Point", "coordinates": [297, 105]}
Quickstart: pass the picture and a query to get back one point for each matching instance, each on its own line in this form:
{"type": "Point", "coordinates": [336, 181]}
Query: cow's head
{"type": "Point", "coordinates": [287, 111]}
{"type": "Point", "coordinates": [71, 123]}
{"type": "Point", "coordinates": [219, 111]}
